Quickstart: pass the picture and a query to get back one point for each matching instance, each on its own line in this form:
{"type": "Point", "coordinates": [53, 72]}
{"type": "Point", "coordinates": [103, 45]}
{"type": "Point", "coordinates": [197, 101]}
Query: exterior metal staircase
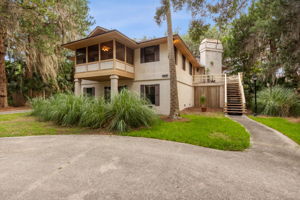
{"type": "Point", "coordinates": [235, 103]}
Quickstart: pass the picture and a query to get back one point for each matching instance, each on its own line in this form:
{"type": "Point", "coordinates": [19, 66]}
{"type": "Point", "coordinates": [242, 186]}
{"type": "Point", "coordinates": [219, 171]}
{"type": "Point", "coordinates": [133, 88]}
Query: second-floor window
{"type": "Point", "coordinates": [81, 56]}
{"type": "Point", "coordinates": [150, 54]}
{"type": "Point", "coordinates": [93, 53]}
{"type": "Point", "coordinates": [191, 69]}
{"type": "Point", "coordinates": [107, 50]}
{"type": "Point", "coordinates": [183, 62]}
{"type": "Point", "coordinates": [175, 54]}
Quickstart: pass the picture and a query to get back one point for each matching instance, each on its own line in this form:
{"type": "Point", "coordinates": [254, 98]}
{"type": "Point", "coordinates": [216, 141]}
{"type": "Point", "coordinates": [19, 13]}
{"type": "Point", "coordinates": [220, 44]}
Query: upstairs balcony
{"type": "Point", "coordinates": [214, 79]}
{"type": "Point", "coordinates": [100, 61]}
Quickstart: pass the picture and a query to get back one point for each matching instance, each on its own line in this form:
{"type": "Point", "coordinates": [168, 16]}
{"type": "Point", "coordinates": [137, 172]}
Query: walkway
{"type": "Point", "coordinates": [14, 111]}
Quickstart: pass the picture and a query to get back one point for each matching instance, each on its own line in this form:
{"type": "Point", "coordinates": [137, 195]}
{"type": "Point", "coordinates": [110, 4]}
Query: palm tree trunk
{"type": "Point", "coordinates": [3, 81]}
{"type": "Point", "coordinates": [174, 105]}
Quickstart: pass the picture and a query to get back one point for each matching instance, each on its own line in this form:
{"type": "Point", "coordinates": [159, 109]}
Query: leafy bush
{"type": "Point", "coordinates": [277, 101]}
{"type": "Point", "coordinates": [126, 111]}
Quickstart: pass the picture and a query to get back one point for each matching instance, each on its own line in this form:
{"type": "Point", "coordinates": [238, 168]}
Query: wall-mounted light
{"type": "Point", "coordinates": [176, 41]}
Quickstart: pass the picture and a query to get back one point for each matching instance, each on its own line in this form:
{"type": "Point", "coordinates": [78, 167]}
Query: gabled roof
{"type": "Point", "coordinates": [100, 34]}
{"type": "Point", "coordinates": [98, 30]}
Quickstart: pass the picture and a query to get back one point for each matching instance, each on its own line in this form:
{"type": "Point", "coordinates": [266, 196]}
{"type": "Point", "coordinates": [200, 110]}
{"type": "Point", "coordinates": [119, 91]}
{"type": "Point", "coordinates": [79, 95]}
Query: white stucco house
{"type": "Point", "coordinates": [107, 61]}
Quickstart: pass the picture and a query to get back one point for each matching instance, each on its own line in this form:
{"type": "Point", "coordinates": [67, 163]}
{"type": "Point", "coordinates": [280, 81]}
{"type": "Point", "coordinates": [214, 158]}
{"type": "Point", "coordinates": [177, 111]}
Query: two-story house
{"type": "Point", "coordinates": [107, 61]}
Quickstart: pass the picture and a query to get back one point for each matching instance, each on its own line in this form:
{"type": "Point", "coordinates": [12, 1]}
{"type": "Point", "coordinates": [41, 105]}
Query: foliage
{"type": "Point", "coordinates": [216, 132]}
{"type": "Point", "coordinates": [288, 128]}
{"type": "Point", "coordinates": [33, 32]}
{"type": "Point", "coordinates": [196, 34]}
{"type": "Point", "coordinates": [277, 101]}
{"type": "Point", "coordinates": [43, 32]}
{"type": "Point", "coordinates": [265, 41]}
{"type": "Point", "coordinates": [202, 100]}
{"type": "Point", "coordinates": [93, 113]}
{"type": "Point", "coordinates": [126, 111]}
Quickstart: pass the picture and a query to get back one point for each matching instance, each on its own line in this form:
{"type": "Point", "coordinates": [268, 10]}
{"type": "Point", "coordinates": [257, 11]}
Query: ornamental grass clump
{"type": "Point", "coordinates": [127, 110]}
{"type": "Point", "coordinates": [63, 109]}
{"type": "Point", "coordinates": [124, 112]}
{"type": "Point", "coordinates": [93, 113]}
{"type": "Point", "coordinates": [277, 101]}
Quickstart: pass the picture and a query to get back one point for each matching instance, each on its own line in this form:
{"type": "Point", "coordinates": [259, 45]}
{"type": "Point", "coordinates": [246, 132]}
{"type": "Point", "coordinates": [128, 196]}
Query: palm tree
{"type": "Point", "coordinates": [164, 12]}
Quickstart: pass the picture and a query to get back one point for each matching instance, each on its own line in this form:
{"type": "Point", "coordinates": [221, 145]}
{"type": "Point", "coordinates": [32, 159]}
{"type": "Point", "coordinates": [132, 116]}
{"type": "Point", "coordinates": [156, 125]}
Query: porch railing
{"type": "Point", "coordinates": [240, 78]}
{"type": "Point", "coordinates": [213, 78]}
{"type": "Point", "coordinates": [225, 90]}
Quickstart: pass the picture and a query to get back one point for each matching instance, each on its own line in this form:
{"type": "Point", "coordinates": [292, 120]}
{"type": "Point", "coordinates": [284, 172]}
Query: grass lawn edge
{"type": "Point", "coordinates": [239, 140]}
{"type": "Point", "coordinates": [282, 135]}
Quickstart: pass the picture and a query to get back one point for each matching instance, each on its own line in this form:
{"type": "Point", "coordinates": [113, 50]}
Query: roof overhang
{"type": "Point", "coordinates": [180, 44]}
{"type": "Point", "coordinates": [116, 35]}
{"type": "Point", "coordinates": [103, 37]}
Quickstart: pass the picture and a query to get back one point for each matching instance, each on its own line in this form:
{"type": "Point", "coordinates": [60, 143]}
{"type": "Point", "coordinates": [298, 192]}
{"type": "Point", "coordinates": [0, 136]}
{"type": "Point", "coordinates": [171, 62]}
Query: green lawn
{"type": "Point", "coordinates": [22, 124]}
{"type": "Point", "coordinates": [214, 131]}
{"type": "Point", "coordinates": [290, 129]}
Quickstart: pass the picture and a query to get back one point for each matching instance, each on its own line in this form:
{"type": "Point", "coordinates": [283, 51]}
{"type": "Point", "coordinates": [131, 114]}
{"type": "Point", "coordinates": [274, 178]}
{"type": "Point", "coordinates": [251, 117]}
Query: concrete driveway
{"type": "Point", "coordinates": [115, 167]}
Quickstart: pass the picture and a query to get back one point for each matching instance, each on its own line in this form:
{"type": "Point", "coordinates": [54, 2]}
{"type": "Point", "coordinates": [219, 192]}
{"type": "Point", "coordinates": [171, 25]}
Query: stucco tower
{"type": "Point", "coordinates": [211, 52]}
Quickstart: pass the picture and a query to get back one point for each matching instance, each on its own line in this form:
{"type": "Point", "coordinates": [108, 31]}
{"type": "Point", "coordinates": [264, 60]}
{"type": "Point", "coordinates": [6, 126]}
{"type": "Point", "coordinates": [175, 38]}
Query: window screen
{"type": "Point", "coordinates": [129, 56]}
{"type": "Point", "coordinates": [120, 51]}
{"type": "Point", "coordinates": [81, 56]}
{"type": "Point", "coordinates": [93, 53]}
{"type": "Point", "coordinates": [107, 50]}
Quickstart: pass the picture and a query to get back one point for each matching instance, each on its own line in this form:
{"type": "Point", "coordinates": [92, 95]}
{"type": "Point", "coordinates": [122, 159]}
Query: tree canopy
{"type": "Point", "coordinates": [34, 30]}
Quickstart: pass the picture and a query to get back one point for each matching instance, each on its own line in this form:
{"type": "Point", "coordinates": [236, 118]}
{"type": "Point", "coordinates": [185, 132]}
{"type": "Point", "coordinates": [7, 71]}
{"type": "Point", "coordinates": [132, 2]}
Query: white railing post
{"type": "Point", "coordinates": [225, 90]}
{"type": "Point", "coordinates": [242, 90]}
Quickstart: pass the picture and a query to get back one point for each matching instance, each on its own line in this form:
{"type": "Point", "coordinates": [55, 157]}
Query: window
{"type": "Point", "coordinates": [183, 62]}
{"type": "Point", "coordinates": [90, 91]}
{"type": "Point", "coordinates": [81, 56]}
{"type": "Point", "coordinates": [93, 53]}
{"type": "Point", "coordinates": [120, 51]}
{"type": "Point", "coordinates": [191, 69]}
{"type": "Point", "coordinates": [150, 54]}
{"type": "Point", "coordinates": [129, 55]}
{"type": "Point", "coordinates": [120, 88]}
{"type": "Point", "coordinates": [151, 92]}
{"type": "Point", "coordinates": [175, 53]}
{"type": "Point", "coordinates": [107, 50]}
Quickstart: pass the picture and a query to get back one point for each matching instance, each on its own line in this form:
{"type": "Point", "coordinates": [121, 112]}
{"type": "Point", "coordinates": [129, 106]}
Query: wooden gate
{"type": "Point", "coordinates": [214, 96]}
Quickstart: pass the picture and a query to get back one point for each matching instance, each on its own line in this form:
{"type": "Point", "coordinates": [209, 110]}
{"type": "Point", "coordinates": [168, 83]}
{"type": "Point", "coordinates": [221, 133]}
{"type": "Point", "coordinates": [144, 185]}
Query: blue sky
{"type": "Point", "coordinates": [134, 18]}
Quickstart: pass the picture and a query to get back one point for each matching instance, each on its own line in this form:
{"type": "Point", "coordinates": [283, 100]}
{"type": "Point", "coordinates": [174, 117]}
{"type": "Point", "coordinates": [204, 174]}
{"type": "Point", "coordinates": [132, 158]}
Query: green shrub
{"type": "Point", "coordinates": [126, 111]}
{"type": "Point", "coordinates": [277, 101]}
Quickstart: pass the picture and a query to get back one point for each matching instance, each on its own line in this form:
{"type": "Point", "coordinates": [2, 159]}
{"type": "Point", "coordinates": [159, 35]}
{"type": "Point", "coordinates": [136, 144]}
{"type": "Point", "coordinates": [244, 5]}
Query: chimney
{"type": "Point", "coordinates": [211, 52]}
